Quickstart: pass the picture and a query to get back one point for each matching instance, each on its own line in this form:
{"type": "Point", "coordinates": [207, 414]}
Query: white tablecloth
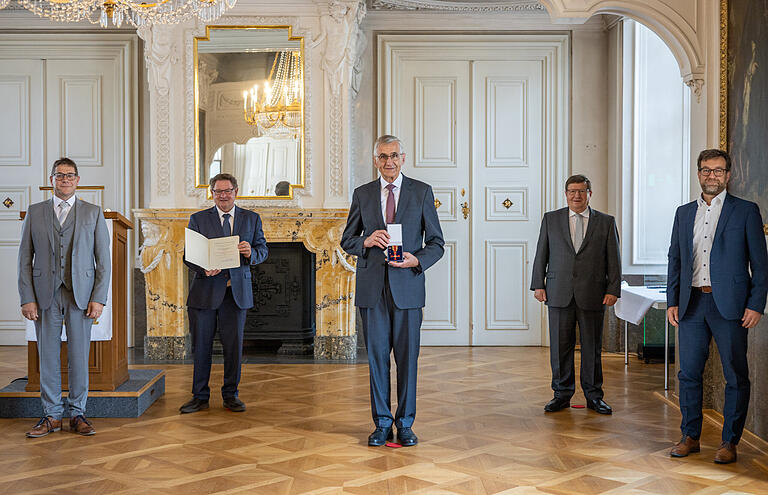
{"type": "Point", "coordinates": [636, 301]}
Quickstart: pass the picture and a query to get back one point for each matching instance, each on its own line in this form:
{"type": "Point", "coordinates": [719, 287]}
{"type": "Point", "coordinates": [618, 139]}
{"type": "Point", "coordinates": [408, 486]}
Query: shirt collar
{"type": "Point", "coordinates": [398, 182]}
{"type": "Point", "coordinates": [221, 213]}
{"type": "Point", "coordinates": [57, 201]}
{"type": "Point", "coordinates": [584, 213]}
{"type": "Point", "coordinates": [717, 200]}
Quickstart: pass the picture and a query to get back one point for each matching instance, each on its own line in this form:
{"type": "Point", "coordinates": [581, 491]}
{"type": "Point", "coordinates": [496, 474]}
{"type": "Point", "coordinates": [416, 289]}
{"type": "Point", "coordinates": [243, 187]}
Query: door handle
{"type": "Point", "coordinates": [465, 209]}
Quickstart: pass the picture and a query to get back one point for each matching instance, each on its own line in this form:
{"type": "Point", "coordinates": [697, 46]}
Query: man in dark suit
{"type": "Point", "coordinates": [720, 300]}
{"type": "Point", "coordinates": [64, 271]}
{"type": "Point", "coordinates": [577, 273]}
{"type": "Point", "coordinates": [221, 298]}
{"type": "Point", "coordinates": [391, 295]}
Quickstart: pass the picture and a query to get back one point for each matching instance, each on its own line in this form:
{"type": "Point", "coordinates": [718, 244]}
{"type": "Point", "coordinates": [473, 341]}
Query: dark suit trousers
{"type": "Point", "coordinates": [562, 342]}
{"type": "Point", "coordinates": [388, 328]}
{"type": "Point", "coordinates": [230, 320]}
{"type": "Point", "coordinates": [701, 322]}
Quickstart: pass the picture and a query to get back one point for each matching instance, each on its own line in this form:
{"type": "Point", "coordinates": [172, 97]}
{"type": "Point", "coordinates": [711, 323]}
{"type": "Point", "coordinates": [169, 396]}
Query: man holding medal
{"type": "Point", "coordinates": [394, 231]}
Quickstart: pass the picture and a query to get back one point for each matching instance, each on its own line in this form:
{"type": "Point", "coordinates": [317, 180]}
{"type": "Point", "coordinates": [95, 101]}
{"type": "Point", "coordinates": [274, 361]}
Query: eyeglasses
{"type": "Point", "coordinates": [574, 192]}
{"type": "Point", "coordinates": [222, 192]}
{"type": "Point", "coordinates": [394, 156]}
{"type": "Point", "coordinates": [60, 177]}
{"type": "Point", "coordinates": [719, 172]}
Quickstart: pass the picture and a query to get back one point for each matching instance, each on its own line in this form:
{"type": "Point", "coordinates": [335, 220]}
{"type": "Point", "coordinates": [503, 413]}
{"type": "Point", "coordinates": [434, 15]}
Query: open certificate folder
{"type": "Point", "coordinates": [211, 254]}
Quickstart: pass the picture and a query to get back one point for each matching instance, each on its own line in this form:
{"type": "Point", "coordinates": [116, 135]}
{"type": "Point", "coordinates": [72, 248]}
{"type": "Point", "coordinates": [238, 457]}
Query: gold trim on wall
{"type": "Point", "coordinates": [207, 37]}
{"type": "Point", "coordinates": [724, 74]}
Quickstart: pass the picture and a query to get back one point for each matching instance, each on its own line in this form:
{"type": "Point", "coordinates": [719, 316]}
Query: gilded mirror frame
{"type": "Point", "coordinates": [196, 97]}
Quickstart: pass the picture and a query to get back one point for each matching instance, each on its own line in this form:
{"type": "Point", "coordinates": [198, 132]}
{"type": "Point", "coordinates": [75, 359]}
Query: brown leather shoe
{"type": "Point", "coordinates": [685, 446]}
{"type": "Point", "coordinates": [45, 426]}
{"type": "Point", "coordinates": [726, 453]}
{"type": "Point", "coordinates": [80, 425]}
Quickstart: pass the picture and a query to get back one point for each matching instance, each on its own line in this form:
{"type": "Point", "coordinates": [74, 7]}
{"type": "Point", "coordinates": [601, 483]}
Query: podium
{"type": "Point", "coordinates": [108, 360]}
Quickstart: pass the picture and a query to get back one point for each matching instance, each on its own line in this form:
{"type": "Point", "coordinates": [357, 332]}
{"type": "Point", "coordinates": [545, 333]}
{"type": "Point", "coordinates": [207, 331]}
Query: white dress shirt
{"type": "Point", "coordinates": [572, 224]}
{"type": "Point", "coordinates": [704, 227]}
{"type": "Point", "coordinates": [57, 201]}
{"type": "Point", "coordinates": [385, 192]}
{"type": "Point", "coordinates": [231, 218]}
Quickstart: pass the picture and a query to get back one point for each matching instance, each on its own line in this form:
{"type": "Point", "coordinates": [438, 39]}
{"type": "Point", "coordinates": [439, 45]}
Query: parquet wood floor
{"type": "Point", "coordinates": [480, 421]}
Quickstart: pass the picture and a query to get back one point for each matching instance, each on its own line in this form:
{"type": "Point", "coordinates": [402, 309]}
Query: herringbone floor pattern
{"type": "Point", "coordinates": [480, 421]}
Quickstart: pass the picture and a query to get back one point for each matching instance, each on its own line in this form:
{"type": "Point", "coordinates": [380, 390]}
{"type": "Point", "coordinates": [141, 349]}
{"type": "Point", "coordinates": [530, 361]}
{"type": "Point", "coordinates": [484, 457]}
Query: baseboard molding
{"type": "Point", "coordinates": [716, 418]}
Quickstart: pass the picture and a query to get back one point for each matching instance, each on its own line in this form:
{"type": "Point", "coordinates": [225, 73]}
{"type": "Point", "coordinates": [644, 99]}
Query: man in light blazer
{"type": "Point", "coordinates": [64, 271]}
{"type": "Point", "coordinates": [391, 295]}
{"type": "Point", "coordinates": [577, 273]}
{"type": "Point", "coordinates": [721, 300]}
{"type": "Point", "coordinates": [221, 298]}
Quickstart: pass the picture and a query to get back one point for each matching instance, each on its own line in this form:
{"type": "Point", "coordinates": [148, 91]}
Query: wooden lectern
{"type": "Point", "coordinates": [108, 360]}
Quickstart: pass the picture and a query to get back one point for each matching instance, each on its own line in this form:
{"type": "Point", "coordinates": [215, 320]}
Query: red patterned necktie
{"type": "Point", "coordinates": [391, 203]}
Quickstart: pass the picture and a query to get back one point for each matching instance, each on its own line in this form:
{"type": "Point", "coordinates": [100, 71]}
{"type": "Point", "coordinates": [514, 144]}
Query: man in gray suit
{"type": "Point", "coordinates": [64, 270]}
{"type": "Point", "coordinates": [391, 294]}
{"type": "Point", "coordinates": [576, 273]}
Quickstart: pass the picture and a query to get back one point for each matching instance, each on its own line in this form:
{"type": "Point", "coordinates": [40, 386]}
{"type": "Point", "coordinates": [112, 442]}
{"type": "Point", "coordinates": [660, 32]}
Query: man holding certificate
{"type": "Point", "coordinates": [394, 231]}
{"type": "Point", "coordinates": [220, 245]}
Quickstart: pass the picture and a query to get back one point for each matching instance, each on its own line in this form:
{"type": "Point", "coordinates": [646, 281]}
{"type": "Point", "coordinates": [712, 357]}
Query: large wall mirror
{"type": "Point", "coordinates": [249, 109]}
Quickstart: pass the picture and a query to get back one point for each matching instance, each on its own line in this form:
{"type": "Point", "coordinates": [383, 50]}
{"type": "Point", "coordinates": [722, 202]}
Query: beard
{"type": "Point", "coordinates": [712, 189]}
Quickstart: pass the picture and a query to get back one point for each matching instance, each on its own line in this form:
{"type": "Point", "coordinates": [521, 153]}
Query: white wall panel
{"type": "Point", "coordinates": [506, 203]}
{"type": "Point", "coordinates": [14, 120]}
{"type": "Point", "coordinates": [446, 195]}
{"type": "Point", "coordinates": [435, 144]}
{"type": "Point", "coordinates": [440, 311]}
{"type": "Point", "coordinates": [506, 286]}
{"type": "Point", "coordinates": [81, 129]}
{"type": "Point", "coordinates": [506, 122]}
{"type": "Point", "coordinates": [11, 321]}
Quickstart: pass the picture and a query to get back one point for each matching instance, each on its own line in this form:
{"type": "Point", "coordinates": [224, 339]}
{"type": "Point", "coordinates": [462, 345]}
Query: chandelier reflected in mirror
{"type": "Point", "coordinates": [135, 13]}
{"type": "Point", "coordinates": [276, 107]}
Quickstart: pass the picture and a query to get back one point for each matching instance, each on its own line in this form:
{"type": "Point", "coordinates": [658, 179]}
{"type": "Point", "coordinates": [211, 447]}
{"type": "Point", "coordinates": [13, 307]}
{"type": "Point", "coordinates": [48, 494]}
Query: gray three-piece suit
{"type": "Point", "coordinates": [63, 268]}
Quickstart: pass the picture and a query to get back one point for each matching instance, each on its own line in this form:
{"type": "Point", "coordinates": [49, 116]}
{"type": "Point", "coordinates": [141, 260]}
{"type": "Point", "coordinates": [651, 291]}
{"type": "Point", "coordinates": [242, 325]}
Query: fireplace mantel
{"type": "Point", "coordinates": [161, 256]}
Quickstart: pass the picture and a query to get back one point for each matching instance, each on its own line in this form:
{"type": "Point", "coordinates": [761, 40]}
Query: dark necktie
{"type": "Point", "coordinates": [225, 226]}
{"type": "Point", "coordinates": [391, 203]}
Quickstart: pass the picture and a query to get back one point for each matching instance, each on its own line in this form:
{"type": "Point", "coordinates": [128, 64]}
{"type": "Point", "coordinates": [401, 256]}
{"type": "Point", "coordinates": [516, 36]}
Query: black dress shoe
{"type": "Point", "coordinates": [194, 405]}
{"type": "Point", "coordinates": [234, 404]}
{"type": "Point", "coordinates": [556, 404]}
{"type": "Point", "coordinates": [599, 406]}
{"type": "Point", "coordinates": [380, 436]}
{"type": "Point", "coordinates": [406, 437]}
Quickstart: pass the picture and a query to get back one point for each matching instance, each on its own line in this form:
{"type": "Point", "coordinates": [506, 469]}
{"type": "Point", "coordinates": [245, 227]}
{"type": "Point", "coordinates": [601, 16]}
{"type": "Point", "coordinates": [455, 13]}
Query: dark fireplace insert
{"type": "Point", "coordinates": [282, 319]}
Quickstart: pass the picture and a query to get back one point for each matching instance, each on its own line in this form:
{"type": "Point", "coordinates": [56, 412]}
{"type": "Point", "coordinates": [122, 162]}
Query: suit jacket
{"type": "Point", "coordinates": [422, 237]}
{"type": "Point", "coordinates": [587, 275]}
{"type": "Point", "coordinates": [91, 266]}
{"type": "Point", "coordinates": [737, 249]}
{"type": "Point", "coordinates": [208, 292]}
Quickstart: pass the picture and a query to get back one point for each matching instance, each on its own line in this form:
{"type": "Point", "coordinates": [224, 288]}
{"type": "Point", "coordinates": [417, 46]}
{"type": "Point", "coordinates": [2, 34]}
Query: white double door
{"type": "Point", "coordinates": [474, 129]}
{"type": "Point", "coordinates": [61, 96]}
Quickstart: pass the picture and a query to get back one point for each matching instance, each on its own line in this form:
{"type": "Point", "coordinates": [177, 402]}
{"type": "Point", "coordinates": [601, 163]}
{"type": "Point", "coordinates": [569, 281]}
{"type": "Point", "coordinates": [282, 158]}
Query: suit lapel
{"type": "Point", "coordinates": [49, 219]}
{"type": "Point", "coordinates": [689, 217]}
{"type": "Point", "coordinates": [374, 202]}
{"type": "Point", "coordinates": [77, 222]}
{"type": "Point", "coordinates": [725, 214]}
{"type": "Point", "coordinates": [215, 223]}
{"type": "Point", "coordinates": [591, 227]}
{"type": "Point", "coordinates": [565, 228]}
{"type": "Point", "coordinates": [405, 196]}
{"type": "Point", "coordinates": [238, 222]}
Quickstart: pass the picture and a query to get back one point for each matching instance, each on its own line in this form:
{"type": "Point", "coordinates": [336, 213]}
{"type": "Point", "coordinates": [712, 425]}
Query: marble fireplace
{"type": "Point", "coordinates": [166, 279]}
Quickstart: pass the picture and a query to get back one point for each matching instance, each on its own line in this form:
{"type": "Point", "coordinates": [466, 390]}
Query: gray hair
{"type": "Point", "coordinates": [218, 177]}
{"type": "Point", "coordinates": [386, 139]}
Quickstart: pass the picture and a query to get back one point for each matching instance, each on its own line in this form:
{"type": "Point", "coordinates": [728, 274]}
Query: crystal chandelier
{"type": "Point", "coordinates": [136, 13]}
{"type": "Point", "coordinates": [276, 110]}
